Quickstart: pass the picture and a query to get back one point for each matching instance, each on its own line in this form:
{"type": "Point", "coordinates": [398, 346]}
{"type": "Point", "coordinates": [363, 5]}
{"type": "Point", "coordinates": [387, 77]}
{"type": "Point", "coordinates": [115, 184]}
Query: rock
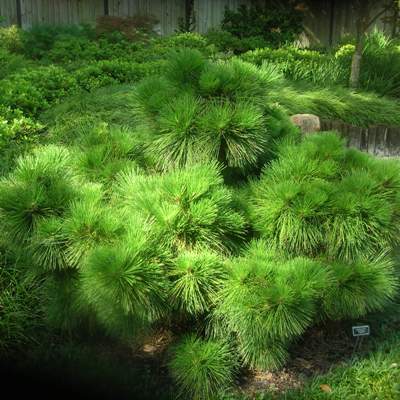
{"type": "Point", "coordinates": [308, 123]}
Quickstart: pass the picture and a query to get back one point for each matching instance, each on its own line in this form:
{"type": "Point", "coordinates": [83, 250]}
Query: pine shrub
{"type": "Point", "coordinates": [186, 207]}
{"type": "Point", "coordinates": [202, 368]}
{"type": "Point", "coordinates": [199, 110]}
{"type": "Point", "coordinates": [125, 284]}
{"type": "Point", "coordinates": [42, 185]}
{"type": "Point", "coordinates": [321, 198]}
{"type": "Point", "coordinates": [267, 302]}
{"type": "Point", "coordinates": [197, 276]}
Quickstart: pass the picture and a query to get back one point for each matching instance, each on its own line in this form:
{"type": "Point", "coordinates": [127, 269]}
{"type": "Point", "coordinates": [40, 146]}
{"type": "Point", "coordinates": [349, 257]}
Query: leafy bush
{"type": "Point", "coordinates": [18, 129]}
{"type": "Point", "coordinates": [34, 90]}
{"type": "Point", "coordinates": [201, 368]}
{"type": "Point", "coordinates": [39, 39]}
{"type": "Point", "coordinates": [276, 25]}
{"type": "Point", "coordinates": [11, 63]}
{"type": "Point", "coordinates": [111, 72]}
{"type": "Point", "coordinates": [11, 39]}
{"type": "Point", "coordinates": [225, 41]}
{"type": "Point", "coordinates": [380, 63]}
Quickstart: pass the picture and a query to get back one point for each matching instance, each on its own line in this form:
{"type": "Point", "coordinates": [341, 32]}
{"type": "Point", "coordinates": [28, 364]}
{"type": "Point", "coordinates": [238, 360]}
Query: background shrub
{"type": "Point", "coordinates": [276, 25]}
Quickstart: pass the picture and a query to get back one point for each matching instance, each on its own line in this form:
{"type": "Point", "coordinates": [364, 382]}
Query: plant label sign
{"type": "Point", "coordinates": [360, 330]}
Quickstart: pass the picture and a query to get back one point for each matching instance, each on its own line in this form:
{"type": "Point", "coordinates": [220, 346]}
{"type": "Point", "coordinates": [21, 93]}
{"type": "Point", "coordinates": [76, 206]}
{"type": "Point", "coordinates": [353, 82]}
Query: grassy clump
{"type": "Point", "coordinates": [337, 103]}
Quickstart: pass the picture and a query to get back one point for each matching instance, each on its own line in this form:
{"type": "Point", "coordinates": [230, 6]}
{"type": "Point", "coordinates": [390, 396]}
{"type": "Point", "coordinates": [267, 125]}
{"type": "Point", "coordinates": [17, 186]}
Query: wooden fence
{"type": "Point", "coordinates": [326, 21]}
{"type": "Point", "coordinates": [379, 140]}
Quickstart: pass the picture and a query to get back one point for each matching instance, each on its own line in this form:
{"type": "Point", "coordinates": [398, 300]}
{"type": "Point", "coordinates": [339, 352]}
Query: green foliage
{"type": "Point", "coordinates": [88, 223]}
{"type": "Point", "coordinates": [202, 368]}
{"type": "Point", "coordinates": [11, 63]}
{"type": "Point", "coordinates": [321, 198]}
{"type": "Point", "coordinates": [359, 288]}
{"type": "Point", "coordinates": [359, 109]}
{"type": "Point", "coordinates": [41, 185]}
{"type": "Point", "coordinates": [11, 38]}
{"type": "Point", "coordinates": [125, 284]}
{"type": "Point", "coordinates": [106, 151]}
{"type": "Point", "coordinates": [187, 207]}
{"type": "Point", "coordinates": [111, 72]}
{"type": "Point", "coordinates": [65, 308]}
{"type": "Point", "coordinates": [184, 67]}
{"type": "Point", "coordinates": [373, 375]}
{"type": "Point", "coordinates": [266, 303]}
{"type": "Point", "coordinates": [20, 307]}
{"type": "Point", "coordinates": [217, 112]}
{"type": "Point", "coordinates": [38, 40]}
{"type": "Point", "coordinates": [227, 42]}
{"type": "Point", "coordinates": [18, 129]}
{"type": "Point", "coordinates": [197, 276]}
{"type": "Point", "coordinates": [275, 24]}
{"type": "Point", "coordinates": [302, 65]}
{"type": "Point", "coordinates": [34, 90]}
{"type": "Point", "coordinates": [380, 63]}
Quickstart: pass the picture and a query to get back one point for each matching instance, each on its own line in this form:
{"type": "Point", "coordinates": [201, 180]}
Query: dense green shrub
{"type": "Point", "coordinates": [18, 129]}
{"type": "Point", "coordinates": [11, 63]}
{"type": "Point", "coordinates": [336, 103]}
{"type": "Point", "coordinates": [41, 185]}
{"type": "Point", "coordinates": [34, 90]}
{"type": "Point", "coordinates": [38, 40]}
{"type": "Point", "coordinates": [321, 198]}
{"type": "Point", "coordinates": [186, 207]}
{"type": "Point", "coordinates": [201, 368]}
{"type": "Point", "coordinates": [130, 226]}
{"type": "Point", "coordinates": [302, 65]}
{"type": "Point", "coordinates": [105, 151]}
{"type": "Point", "coordinates": [217, 112]}
{"type": "Point", "coordinates": [112, 72]}
{"type": "Point", "coordinates": [197, 276]}
{"type": "Point", "coordinates": [276, 25]}
{"type": "Point", "coordinates": [125, 284]}
{"type": "Point", "coordinates": [266, 302]}
{"type": "Point", "coordinates": [11, 39]}
{"type": "Point", "coordinates": [227, 42]}
{"type": "Point", "coordinates": [380, 63]}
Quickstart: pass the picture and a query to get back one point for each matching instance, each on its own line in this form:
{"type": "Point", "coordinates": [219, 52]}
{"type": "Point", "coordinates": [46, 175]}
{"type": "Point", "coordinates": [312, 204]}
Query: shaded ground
{"type": "Point", "coordinates": [104, 370]}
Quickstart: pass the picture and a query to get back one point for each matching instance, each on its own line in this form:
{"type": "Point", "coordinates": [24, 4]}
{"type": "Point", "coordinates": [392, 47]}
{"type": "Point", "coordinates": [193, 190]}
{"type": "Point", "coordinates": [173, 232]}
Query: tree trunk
{"type": "Point", "coordinates": [395, 19]}
{"type": "Point", "coordinates": [362, 24]}
{"type": "Point", "coordinates": [356, 65]}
